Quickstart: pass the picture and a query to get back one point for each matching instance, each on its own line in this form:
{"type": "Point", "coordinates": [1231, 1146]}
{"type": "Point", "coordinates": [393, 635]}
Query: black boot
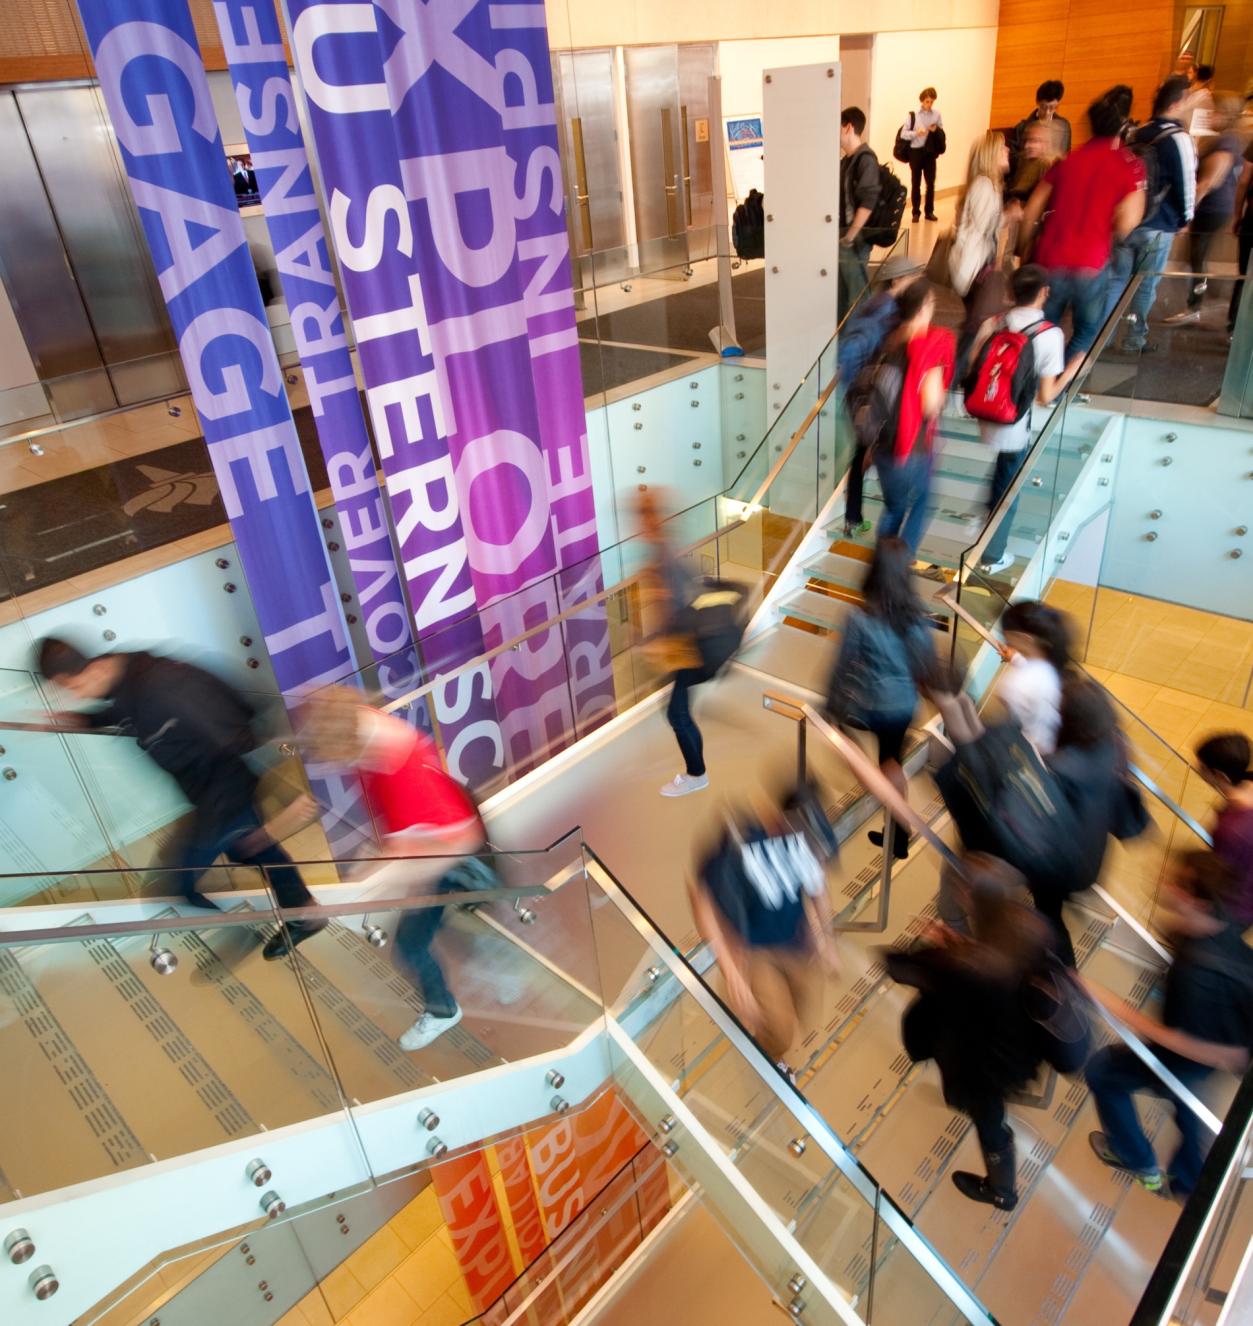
{"type": "Point", "coordinates": [286, 938]}
{"type": "Point", "coordinates": [900, 841]}
{"type": "Point", "coordinates": [999, 1188]}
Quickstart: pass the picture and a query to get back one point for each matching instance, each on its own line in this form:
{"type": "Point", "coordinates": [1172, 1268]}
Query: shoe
{"type": "Point", "coordinates": [288, 937]}
{"type": "Point", "coordinates": [1185, 315]}
{"type": "Point", "coordinates": [427, 1028]}
{"type": "Point", "coordinates": [900, 842]}
{"type": "Point", "coordinates": [1151, 1180]}
{"type": "Point", "coordinates": [852, 528]}
{"type": "Point", "coordinates": [931, 216]}
{"type": "Point", "coordinates": [915, 216]}
{"type": "Point", "coordinates": [1201, 288]}
{"type": "Point", "coordinates": [933, 571]}
{"type": "Point", "coordinates": [201, 900]}
{"type": "Point", "coordinates": [787, 1071]}
{"type": "Point", "coordinates": [681, 784]}
{"type": "Point", "coordinates": [978, 1189]}
{"type": "Point", "coordinates": [1001, 564]}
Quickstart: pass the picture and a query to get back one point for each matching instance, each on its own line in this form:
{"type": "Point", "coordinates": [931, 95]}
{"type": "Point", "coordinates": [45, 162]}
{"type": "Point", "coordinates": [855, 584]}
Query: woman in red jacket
{"type": "Point", "coordinates": [418, 810]}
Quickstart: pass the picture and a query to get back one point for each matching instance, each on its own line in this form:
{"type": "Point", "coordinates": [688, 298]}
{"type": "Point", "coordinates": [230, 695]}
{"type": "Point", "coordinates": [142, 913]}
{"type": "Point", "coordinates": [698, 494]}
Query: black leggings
{"type": "Point", "coordinates": [1049, 905]}
{"type": "Point", "coordinates": [679, 714]}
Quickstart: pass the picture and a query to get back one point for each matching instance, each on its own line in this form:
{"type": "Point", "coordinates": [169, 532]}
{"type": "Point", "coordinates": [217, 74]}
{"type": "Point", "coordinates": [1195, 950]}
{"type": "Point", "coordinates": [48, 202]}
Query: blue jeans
{"type": "Point", "coordinates": [414, 957]}
{"type": "Point", "coordinates": [853, 273]}
{"type": "Point", "coordinates": [906, 493]}
{"type": "Point", "coordinates": [1113, 1074]}
{"type": "Point", "coordinates": [679, 716]}
{"type": "Point", "coordinates": [1149, 251]}
{"type": "Point", "coordinates": [211, 837]}
{"type": "Point", "coordinates": [1004, 469]}
{"type": "Point", "coordinates": [1082, 291]}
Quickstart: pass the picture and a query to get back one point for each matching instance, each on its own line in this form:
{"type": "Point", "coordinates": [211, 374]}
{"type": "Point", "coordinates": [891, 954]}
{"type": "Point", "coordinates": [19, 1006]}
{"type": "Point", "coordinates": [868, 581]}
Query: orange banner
{"type": "Point", "coordinates": [515, 1174]}
{"type": "Point", "coordinates": [472, 1214]}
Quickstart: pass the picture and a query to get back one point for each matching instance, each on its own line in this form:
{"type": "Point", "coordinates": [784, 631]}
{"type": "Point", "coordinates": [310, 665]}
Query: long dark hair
{"type": "Point", "coordinates": [889, 586]}
{"type": "Point", "coordinates": [1042, 623]}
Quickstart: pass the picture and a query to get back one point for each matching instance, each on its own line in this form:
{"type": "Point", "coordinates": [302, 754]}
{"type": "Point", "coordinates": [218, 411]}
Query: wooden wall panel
{"type": "Point", "coordinates": [1089, 44]}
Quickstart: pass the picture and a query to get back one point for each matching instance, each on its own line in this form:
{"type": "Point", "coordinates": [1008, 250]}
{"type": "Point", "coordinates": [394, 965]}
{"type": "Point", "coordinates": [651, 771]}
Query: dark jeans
{"type": "Point", "coordinates": [853, 273]}
{"type": "Point", "coordinates": [210, 838]}
{"type": "Point", "coordinates": [679, 716]}
{"type": "Point", "coordinates": [1114, 1074]}
{"type": "Point", "coordinates": [853, 492]}
{"type": "Point", "coordinates": [1245, 242]}
{"type": "Point", "coordinates": [906, 493]}
{"type": "Point", "coordinates": [1201, 238]}
{"type": "Point", "coordinates": [414, 957]}
{"type": "Point", "coordinates": [922, 167]}
{"type": "Point", "coordinates": [1004, 469]}
{"type": "Point", "coordinates": [1049, 904]}
{"type": "Point", "coordinates": [1083, 292]}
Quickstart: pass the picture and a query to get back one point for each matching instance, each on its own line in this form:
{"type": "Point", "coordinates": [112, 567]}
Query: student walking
{"type": "Point", "coordinates": [861, 339]}
{"type": "Point", "coordinates": [1048, 372]}
{"type": "Point", "coordinates": [1170, 157]}
{"type": "Point", "coordinates": [977, 250]}
{"type": "Point", "coordinates": [923, 134]}
{"type": "Point", "coordinates": [1037, 650]}
{"type": "Point", "coordinates": [1048, 97]}
{"type": "Point", "coordinates": [198, 729]}
{"type": "Point", "coordinates": [886, 650]}
{"type": "Point", "coordinates": [924, 357]}
{"type": "Point", "coordinates": [1225, 762]}
{"type": "Point", "coordinates": [1206, 1024]}
{"type": "Point", "coordinates": [859, 192]}
{"type": "Point", "coordinates": [1086, 202]}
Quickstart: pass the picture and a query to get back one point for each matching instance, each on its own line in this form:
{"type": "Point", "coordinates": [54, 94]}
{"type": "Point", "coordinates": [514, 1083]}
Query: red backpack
{"type": "Point", "coordinates": [1003, 380]}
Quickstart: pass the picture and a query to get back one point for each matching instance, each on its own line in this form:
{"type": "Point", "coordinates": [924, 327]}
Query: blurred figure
{"type": "Point", "coordinates": [924, 356]}
{"type": "Point", "coordinates": [1040, 149]}
{"type": "Point", "coordinates": [1242, 228]}
{"type": "Point", "coordinates": [1086, 201]}
{"type": "Point", "coordinates": [977, 252]}
{"type": "Point", "coordinates": [859, 342]}
{"type": "Point", "coordinates": [1048, 98]}
{"type": "Point", "coordinates": [760, 899]}
{"type": "Point", "coordinates": [198, 729]}
{"type": "Point", "coordinates": [1200, 96]}
{"type": "Point", "coordinates": [972, 1017]}
{"type": "Point", "coordinates": [671, 589]}
{"type": "Point", "coordinates": [1207, 1023]}
{"type": "Point", "coordinates": [1037, 649]}
{"type": "Point", "coordinates": [418, 810]}
{"type": "Point", "coordinates": [886, 649]}
{"type": "Point", "coordinates": [1218, 176]}
{"type": "Point", "coordinates": [923, 131]}
{"type": "Point", "coordinates": [1226, 763]}
{"type": "Point", "coordinates": [1169, 158]}
{"type": "Point", "coordinates": [859, 192]}
{"type": "Point", "coordinates": [1011, 442]}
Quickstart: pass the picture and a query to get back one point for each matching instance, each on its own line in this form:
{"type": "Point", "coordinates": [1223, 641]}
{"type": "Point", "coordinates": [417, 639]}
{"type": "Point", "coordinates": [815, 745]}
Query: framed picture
{"type": "Point", "coordinates": [244, 178]}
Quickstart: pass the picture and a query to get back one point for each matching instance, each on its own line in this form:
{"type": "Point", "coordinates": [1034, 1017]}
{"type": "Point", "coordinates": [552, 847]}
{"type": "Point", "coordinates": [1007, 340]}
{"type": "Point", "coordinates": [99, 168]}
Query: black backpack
{"type": "Point", "coordinates": [1145, 146]}
{"type": "Point", "coordinates": [748, 226]}
{"type": "Point", "coordinates": [884, 223]}
{"type": "Point", "coordinates": [717, 618]}
{"type": "Point", "coordinates": [901, 148]}
{"type": "Point", "coordinates": [873, 401]}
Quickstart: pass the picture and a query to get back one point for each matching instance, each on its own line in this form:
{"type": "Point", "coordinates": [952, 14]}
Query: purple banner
{"type": "Point", "coordinates": [157, 93]}
{"type": "Point", "coordinates": [253, 43]}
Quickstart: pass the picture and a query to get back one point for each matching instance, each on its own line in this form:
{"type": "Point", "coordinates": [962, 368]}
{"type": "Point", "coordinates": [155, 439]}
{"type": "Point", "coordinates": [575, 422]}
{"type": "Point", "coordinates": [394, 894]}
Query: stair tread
{"type": "Point", "coordinates": [817, 609]}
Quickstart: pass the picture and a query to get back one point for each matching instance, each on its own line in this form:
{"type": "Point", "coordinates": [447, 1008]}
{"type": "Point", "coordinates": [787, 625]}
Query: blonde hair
{"type": "Point", "coordinates": [985, 159]}
{"type": "Point", "coordinates": [329, 724]}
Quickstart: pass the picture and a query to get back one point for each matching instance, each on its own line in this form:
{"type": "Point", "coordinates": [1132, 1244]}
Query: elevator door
{"type": "Point", "coordinates": [655, 123]}
{"type": "Point", "coordinates": [586, 105]}
{"type": "Point", "coordinates": [696, 67]}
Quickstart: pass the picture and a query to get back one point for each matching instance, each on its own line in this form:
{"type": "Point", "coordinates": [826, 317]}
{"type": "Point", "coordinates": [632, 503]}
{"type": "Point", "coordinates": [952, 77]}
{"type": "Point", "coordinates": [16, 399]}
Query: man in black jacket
{"type": "Point", "coordinates": [1048, 97]}
{"type": "Point", "coordinates": [859, 192]}
{"type": "Point", "coordinates": [196, 728]}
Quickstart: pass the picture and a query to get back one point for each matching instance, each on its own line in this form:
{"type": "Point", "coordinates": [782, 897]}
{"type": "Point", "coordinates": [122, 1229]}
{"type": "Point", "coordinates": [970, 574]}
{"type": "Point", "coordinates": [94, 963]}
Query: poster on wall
{"type": "Point", "coordinates": [746, 151]}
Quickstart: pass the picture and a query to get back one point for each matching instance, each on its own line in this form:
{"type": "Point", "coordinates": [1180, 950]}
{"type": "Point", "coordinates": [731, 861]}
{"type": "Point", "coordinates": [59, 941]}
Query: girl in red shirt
{"type": "Point", "coordinates": [418, 810]}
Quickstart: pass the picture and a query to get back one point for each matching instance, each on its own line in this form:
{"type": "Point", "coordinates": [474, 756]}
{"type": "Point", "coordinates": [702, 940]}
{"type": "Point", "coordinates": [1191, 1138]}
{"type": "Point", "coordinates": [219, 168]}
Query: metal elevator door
{"type": "Point", "coordinates": [654, 120]}
{"type": "Point", "coordinates": [74, 258]}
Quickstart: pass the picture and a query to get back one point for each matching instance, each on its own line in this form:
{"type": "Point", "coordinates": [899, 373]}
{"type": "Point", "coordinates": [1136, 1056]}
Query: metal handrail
{"type": "Point", "coordinates": [945, 596]}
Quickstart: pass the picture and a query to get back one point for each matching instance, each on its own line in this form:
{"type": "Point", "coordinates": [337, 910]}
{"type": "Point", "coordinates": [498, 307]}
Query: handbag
{"type": "Point", "coordinates": [938, 263]}
{"type": "Point", "coordinates": [1056, 1006]}
{"type": "Point", "coordinates": [1129, 816]}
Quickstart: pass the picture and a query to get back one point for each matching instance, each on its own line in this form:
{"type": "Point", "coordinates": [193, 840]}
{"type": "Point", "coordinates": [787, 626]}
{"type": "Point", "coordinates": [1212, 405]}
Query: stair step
{"type": "Point", "coordinates": [816, 609]}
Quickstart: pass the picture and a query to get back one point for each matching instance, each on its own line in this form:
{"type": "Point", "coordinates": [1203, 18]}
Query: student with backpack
{"type": "Point", "coordinates": [920, 141]}
{"type": "Point", "coordinates": [1021, 361]}
{"type": "Point", "coordinates": [1206, 1024]}
{"type": "Point", "coordinates": [1086, 202]}
{"type": "Point", "coordinates": [1225, 761]}
{"type": "Point", "coordinates": [859, 194]}
{"type": "Point", "coordinates": [1168, 155]}
{"type": "Point", "coordinates": [910, 384]}
{"type": "Point", "coordinates": [886, 650]}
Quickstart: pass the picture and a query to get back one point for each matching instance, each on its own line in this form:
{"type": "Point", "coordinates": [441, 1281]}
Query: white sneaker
{"type": "Point", "coordinates": [1003, 564]}
{"type": "Point", "coordinates": [1185, 315]}
{"type": "Point", "coordinates": [426, 1029]}
{"type": "Point", "coordinates": [681, 784]}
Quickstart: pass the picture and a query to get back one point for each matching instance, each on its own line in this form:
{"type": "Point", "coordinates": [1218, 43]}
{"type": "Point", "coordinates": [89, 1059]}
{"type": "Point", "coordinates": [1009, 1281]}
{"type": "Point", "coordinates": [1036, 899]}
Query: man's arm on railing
{"type": "Point", "coordinates": [1230, 1058]}
{"type": "Point", "coordinates": [728, 952]}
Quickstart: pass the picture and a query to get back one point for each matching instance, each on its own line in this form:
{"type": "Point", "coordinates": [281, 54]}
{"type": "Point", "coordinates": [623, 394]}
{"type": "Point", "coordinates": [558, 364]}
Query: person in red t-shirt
{"type": "Point", "coordinates": [1093, 197]}
{"type": "Point", "coordinates": [926, 355]}
{"type": "Point", "coordinates": [418, 810]}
